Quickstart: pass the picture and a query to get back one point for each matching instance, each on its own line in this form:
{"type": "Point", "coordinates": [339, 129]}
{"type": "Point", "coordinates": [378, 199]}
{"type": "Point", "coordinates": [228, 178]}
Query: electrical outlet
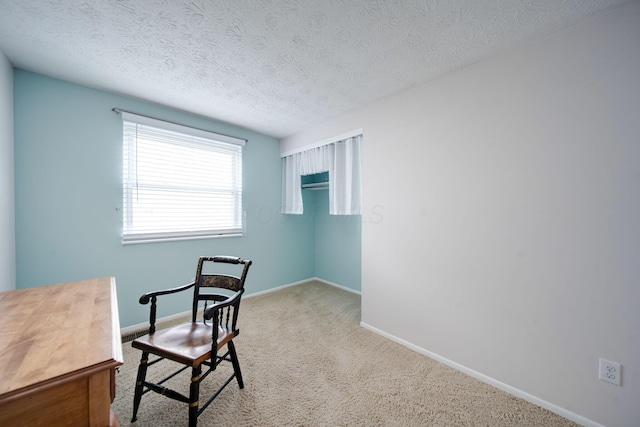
{"type": "Point", "coordinates": [610, 371]}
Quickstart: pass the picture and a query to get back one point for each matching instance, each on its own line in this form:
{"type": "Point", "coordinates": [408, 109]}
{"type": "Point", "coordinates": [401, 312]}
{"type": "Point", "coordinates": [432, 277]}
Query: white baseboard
{"type": "Point", "coordinates": [145, 325]}
{"type": "Point", "coordinates": [300, 282]}
{"type": "Point", "coordinates": [344, 288]}
{"type": "Point", "coordinates": [486, 379]}
{"type": "Point", "coordinates": [268, 291]}
{"type": "Point", "coordinates": [142, 326]}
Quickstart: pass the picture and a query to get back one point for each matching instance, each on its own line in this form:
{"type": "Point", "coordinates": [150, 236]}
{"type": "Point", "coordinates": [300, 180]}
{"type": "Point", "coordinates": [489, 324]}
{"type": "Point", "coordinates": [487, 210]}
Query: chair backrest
{"type": "Point", "coordinates": [220, 281]}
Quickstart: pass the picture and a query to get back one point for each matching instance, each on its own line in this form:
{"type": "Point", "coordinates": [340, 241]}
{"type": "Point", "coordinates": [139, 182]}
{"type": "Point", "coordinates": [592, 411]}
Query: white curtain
{"type": "Point", "coordinates": [342, 160]}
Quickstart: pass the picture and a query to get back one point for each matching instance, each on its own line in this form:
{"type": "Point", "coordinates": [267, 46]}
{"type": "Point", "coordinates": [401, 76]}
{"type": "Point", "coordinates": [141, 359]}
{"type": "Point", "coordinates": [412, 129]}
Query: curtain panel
{"type": "Point", "coordinates": [342, 159]}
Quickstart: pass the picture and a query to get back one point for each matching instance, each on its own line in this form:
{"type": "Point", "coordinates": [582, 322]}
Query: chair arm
{"type": "Point", "coordinates": [153, 296]}
{"type": "Point", "coordinates": [211, 312]}
{"type": "Point", "coordinates": [144, 299]}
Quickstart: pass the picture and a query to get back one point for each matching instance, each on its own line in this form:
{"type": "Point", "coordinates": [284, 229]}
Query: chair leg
{"type": "Point", "coordinates": [236, 364]}
{"type": "Point", "coordinates": [194, 395]}
{"type": "Point", "coordinates": [142, 374]}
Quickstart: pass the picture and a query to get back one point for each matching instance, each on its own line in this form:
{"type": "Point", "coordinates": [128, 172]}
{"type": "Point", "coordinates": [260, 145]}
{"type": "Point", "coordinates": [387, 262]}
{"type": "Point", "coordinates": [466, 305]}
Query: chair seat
{"type": "Point", "coordinates": [188, 343]}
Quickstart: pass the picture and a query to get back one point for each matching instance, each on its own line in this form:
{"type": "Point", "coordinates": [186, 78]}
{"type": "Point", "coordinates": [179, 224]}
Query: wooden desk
{"type": "Point", "coordinates": [59, 346]}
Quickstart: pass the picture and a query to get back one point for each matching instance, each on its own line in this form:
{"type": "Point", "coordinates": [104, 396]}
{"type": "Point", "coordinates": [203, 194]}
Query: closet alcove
{"type": "Point", "coordinates": [323, 183]}
{"type": "Point", "coordinates": [337, 238]}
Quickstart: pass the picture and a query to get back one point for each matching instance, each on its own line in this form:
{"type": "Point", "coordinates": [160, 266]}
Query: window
{"type": "Point", "coordinates": [179, 182]}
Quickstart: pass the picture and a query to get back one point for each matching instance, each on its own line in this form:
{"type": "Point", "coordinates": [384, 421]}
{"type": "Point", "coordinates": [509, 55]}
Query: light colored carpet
{"type": "Point", "coordinates": [307, 362]}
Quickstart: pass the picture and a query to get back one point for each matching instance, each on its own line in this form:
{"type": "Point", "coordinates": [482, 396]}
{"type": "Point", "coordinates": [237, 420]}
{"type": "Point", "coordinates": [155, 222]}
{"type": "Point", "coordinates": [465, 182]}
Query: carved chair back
{"type": "Point", "coordinates": [209, 287]}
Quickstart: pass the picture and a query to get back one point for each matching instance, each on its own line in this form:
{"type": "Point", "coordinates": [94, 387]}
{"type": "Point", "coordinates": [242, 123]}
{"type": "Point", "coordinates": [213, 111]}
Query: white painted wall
{"type": "Point", "coordinates": [501, 212]}
{"type": "Point", "coordinates": [7, 200]}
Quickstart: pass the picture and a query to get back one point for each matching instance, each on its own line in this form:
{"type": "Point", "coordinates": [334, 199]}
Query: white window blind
{"type": "Point", "coordinates": [179, 182]}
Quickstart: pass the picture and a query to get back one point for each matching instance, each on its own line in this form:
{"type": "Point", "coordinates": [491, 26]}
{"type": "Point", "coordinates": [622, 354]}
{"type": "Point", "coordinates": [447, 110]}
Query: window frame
{"type": "Point", "coordinates": [185, 139]}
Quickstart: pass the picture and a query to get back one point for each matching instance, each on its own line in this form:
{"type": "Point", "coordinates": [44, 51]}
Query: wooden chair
{"type": "Point", "coordinates": [198, 342]}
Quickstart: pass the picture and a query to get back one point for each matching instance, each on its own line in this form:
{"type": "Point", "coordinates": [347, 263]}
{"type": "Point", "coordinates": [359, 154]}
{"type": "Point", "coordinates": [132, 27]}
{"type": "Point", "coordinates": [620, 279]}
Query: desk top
{"type": "Point", "coordinates": [56, 333]}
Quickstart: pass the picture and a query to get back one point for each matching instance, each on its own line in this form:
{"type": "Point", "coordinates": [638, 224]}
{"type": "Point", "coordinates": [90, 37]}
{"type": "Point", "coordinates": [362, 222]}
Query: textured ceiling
{"type": "Point", "coordinates": [274, 66]}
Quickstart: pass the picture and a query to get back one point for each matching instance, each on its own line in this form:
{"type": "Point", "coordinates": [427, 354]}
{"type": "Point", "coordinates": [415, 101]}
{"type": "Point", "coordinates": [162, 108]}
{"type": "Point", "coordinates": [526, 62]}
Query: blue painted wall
{"type": "Point", "coordinates": [68, 185]}
{"type": "Point", "coordinates": [7, 198]}
{"type": "Point", "coordinates": [337, 241]}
